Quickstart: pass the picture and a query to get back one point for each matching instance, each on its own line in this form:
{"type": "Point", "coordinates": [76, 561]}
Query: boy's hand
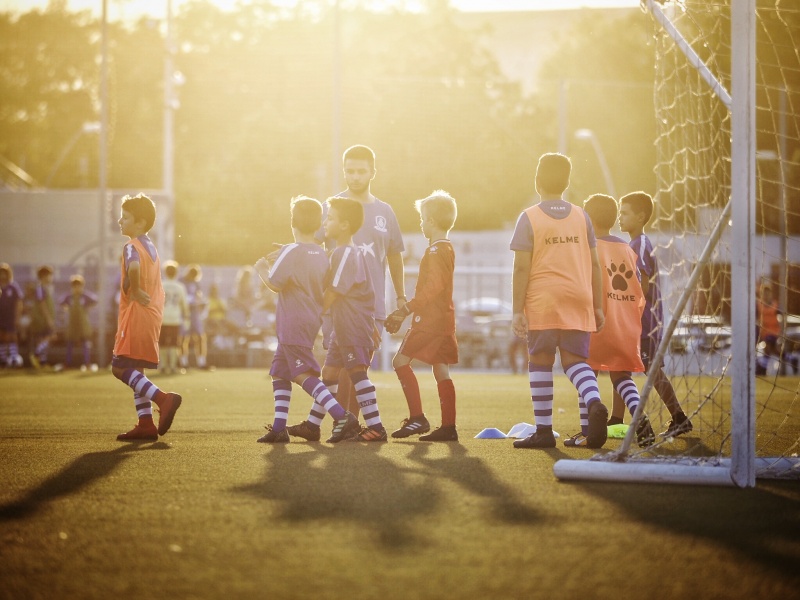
{"type": "Point", "coordinates": [395, 320]}
{"type": "Point", "coordinates": [376, 336]}
{"type": "Point", "coordinates": [599, 319]}
{"type": "Point", "coordinates": [519, 325]}
{"type": "Point", "coordinates": [141, 297]}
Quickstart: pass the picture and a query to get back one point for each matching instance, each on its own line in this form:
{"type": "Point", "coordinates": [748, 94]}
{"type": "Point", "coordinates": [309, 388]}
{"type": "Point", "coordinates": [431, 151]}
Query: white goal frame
{"type": "Point", "coordinates": [742, 467]}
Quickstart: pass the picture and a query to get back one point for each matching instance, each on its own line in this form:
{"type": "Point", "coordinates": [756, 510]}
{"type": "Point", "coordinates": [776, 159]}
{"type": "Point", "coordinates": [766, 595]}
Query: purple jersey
{"type": "Point", "coordinates": [379, 235]}
{"type": "Point", "coordinates": [652, 318]}
{"type": "Point", "coordinates": [352, 311]}
{"type": "Point", "coordinates": [130, 254]}
{"type": "Point", "coordinates": [10, 296]}
{"type": "Point", "coordinates": [299, 275]}
{"type": "Point", "coordinates": [522, 239]}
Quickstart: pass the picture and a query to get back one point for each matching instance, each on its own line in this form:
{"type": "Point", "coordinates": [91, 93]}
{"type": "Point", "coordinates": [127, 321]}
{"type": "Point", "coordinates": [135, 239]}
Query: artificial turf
{"type": "Point", "coordinates": [206, 512]}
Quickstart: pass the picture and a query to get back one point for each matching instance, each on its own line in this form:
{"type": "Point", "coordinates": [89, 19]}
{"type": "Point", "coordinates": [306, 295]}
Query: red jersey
{"type": "Point", "coordinates": [432, 303]}
{"type": "Point", "coordinates": [559, 293]}
{"type": "Point", "coordinates": [139, 326]}
{"type": "Point", "coordinates": [616, 347]}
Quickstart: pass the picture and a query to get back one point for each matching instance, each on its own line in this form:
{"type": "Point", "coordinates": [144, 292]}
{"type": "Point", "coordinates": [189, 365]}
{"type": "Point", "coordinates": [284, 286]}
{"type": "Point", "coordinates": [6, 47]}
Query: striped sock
{"type": "Point", "coordinates": [144, 408]}
{"type": "Point", "coordinates": [367, 398]}
{"type": "Point", "coordinates": [282, 392]}
{"type": "Point", "coordinates": [323, 397]}
{"type": "Point", "coordinates": [41, 350]}
{"type": "Point", "coordinates": [628, 391]}
{"type": "Point", "coordinates": [583, 411]}
{"type": "Point", "coordinates": [585, 381]}
{"type": "Point", "coordinates": [141, 385]}
{"type": "Point", "coordinates": [447, 400]}
{"type": "Point", "coordinates": [13, 350]}
{"type": "Point", "coordinates": [410, 385]}
{"type": "Point", "coordinates": [317, 412]}
{"type": "Point", "coordinates": [5, 353]}
{"type": "Point", "coordinates": [541, 381]}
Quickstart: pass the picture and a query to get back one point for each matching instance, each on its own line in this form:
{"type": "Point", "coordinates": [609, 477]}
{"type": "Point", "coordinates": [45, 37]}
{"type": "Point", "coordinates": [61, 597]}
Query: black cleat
{"type": "Point", "coordinates": [412, 426]}
{"type": "Point", "coordinates": [274, 437]}
{"type": "Point", "coordinates": [645, 436]}
{"type": "Point", "coordinates": [305, 430]}
{"type": "Point", "coordinates": [597, 434]}
{"type": "Point", "coordinates": [344, 428]}
{"type": "Point", "coordinates": [542, 438]}
{"type": "Point", "coordinates": [445, 433]}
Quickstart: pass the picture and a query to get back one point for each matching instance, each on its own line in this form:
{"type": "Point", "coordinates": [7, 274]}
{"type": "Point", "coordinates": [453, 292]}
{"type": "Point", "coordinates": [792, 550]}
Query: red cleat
{"type": "Point", "coordinates": [166, 412]}
{"type": "Point", "coordinates": [141, 432]}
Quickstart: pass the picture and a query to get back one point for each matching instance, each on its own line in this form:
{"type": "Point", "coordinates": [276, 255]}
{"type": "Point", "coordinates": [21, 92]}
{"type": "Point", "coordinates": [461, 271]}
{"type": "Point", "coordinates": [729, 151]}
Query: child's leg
{"type": "Point", "coordinates": [366, 397]}
{"type": "Point", "coordinates": [282, 393]}
{"type": "Point", "coordinates": [447, 394]}
{"type": "Point", "coordinates": [540, 377]}
{"type": "Point", "coordinates": [168, 403]}
{"type": "Point", "coordinates": [617, 409]}
{"type": "Point", "coordinates": [626, 388]}
{"type": "Point", "coordinates": [5, 354]}
{"type": "Point", "coordinates": [585, 381]}
{"type": "Point", "coordinates": [68, 357]}
{"type": "Point", "coordinates": [322, 397]}
{"type": "Point", "coordinates": [87, 352]}
{"type": "Point", "coordinates": [664, 388]}
{"type": "Point", "coordinates": [409, 383]}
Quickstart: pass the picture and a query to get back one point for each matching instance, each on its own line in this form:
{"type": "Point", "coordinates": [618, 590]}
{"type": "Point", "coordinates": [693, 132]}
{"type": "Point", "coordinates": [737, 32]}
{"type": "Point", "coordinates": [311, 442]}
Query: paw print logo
{"type": "Point", "coordinates": [619, 276]}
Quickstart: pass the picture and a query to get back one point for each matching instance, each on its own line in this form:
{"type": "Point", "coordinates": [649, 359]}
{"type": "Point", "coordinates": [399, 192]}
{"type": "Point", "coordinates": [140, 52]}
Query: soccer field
{"type": "Point", "coordinates": [207, 512]}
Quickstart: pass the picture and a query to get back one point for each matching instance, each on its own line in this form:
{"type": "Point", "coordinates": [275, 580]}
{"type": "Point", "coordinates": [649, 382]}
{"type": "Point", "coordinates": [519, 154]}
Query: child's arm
{"type": "Point", "coordinates": [328, 300]}
{"type": "Point", "coordinates": [136, 292]}
{"type": "Point", "coordinates": [397, 273]}
{"type": "Point", "coordinates": [597, 291]}
{"type": "Point", "coordinates": [645, 283]}
{"type": "Point", "coordinates": [519, 284]}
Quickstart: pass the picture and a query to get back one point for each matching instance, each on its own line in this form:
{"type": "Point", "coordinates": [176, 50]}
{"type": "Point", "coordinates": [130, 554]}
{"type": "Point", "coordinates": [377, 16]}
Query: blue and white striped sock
{"type": "Point", "coordinates": [282, 393]}
{"type": "Point", "coordinates": [541, 382]}
{"type": "Point", "coordinates": [323, 397]}
{"type": "Point", "coordinates": [585, 381]}
{"type": "Point", "coordinates": [367, 398]}
{"type": "Point", "coordinates": [629, 392]}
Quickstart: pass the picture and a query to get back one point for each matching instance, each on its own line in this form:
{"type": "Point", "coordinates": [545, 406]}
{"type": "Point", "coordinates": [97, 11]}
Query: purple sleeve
{"type": "Point", "coordinates": [522, 239]}
{"type": "Point", "coordinates": [346, 270]}
{"type": "Point", "coordinates": [130, 255]}
{"type": "Point", "coordinates": [89, 299]}
{"type": "Point", "coordinates": [590, 237]}
{"type": "Point", "coordinates": [281, 270]}
{"type": "Point", "coordinates": [643, 252]}
{"type": "Point", "coordinates": [65, 300]}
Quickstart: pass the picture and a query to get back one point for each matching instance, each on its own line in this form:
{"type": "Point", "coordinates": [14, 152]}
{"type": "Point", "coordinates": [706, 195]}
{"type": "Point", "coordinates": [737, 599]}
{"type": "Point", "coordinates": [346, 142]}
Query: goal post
{"type": "Point", "coordinates": [703, 171]}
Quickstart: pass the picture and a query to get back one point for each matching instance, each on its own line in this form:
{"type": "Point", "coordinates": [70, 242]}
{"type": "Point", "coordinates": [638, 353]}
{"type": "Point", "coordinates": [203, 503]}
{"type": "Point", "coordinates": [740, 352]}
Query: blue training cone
{"type": "Point", "coordinates": [491, 433]}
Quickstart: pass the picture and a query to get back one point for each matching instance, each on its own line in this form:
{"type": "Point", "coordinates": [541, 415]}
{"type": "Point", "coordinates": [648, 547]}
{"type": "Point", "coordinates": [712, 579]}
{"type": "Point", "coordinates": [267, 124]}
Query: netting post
{"type": "Point", "coordinates": [743, 280]}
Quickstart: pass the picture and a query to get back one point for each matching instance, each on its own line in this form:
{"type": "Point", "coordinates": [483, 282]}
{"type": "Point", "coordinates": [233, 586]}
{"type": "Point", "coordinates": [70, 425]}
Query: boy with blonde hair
{"type": "Point", "coordinates": [432, 337]}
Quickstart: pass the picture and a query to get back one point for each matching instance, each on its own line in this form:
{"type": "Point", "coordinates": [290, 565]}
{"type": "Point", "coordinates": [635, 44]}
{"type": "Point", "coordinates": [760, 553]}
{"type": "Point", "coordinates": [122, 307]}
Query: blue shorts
{"type": "Point", "coordinates": [196, 325]}
{"type": "Point", "coordinates": [291, 361]}
{"type": "Point", "coordinates": [126, 362]}
{"type": "Point", "coordinates": [348, 357]}
{"type": "Point", "coordinates": [549, 340]}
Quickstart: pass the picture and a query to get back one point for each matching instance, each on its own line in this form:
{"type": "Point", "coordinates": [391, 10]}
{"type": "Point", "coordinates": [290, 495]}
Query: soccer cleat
{"type": "Point", "coordinates": [274, 437]}
{"type": "Point", "coordinates": [143, 431]}
{"type": "Point", "coordinates": [597, 434]}
{"type": "Point", "coordinates": [541, 438]}
{"type": "Point", "coordinates": [445, 433]}
{"type": "Point", "coordinates": [612, 420]}
{"type": "Point", "coordinates": [576, 441]}
{"type": "Point", "coordinates": [368, 434]}
{"type": "Point", "coordinates": [35, 363]}
{"type": "Point", "coordinates": [344, 428]}
{"type": "Point", "coordinates": [645, 436]}
{"type": "Point", "coordinates": [305, 430]}
{"type": "Point", "coordinates": [412, 426]}
{"type": "Point", "coordinates": [166, 412]}
{"type": "Point", "coordinates": [678, 425]}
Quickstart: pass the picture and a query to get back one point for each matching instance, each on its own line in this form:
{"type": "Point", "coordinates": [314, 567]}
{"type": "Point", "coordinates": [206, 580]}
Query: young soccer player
{"type": "Point", "coordinates": [432, 337]}
{"type": "Point", "coordinates": [176, 312]}
{"type": "Point", "coordinates": [635, 210]}
{"type": "Point", "coordinates": [616, 348]}
{"type": "Point", "coordinates": [77, 304]}
{"type": "Point", "coordinates": [141, 306]}
{"type": "Point", "coordinates": [297, 275]}
{"type": "Point", "coordinates": [195, 338]}
{"type": "Point", "coordinates": [557, 300]}
{"type": "Point", "coordinates": [43, 317]}
{"type": "Point", "coordinates": [350, 297]}
{"type": "Point", "coordinates": [11, 304]}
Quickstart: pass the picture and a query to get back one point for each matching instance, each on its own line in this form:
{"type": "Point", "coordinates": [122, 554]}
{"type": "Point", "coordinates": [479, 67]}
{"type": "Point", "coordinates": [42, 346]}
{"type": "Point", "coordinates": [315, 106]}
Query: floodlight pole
{"type": "Point", "coordinates": [336, 102]}
{"type": "Point", "coordinates": [103, 191]}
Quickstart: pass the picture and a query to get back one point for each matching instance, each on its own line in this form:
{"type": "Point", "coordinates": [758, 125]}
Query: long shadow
{"type": "Point", "coordinates": [72, 479]}
{"type": "Point", "coordinates": [347, 483]}
{"type": "Point", "coordinates": [471, 473]}
{"type": "Point", "coordinates": [762, 524]}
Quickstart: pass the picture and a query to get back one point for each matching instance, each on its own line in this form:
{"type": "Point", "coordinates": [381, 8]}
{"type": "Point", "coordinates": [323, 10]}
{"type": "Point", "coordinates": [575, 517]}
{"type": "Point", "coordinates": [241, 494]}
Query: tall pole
{"type": "Point", "coordinates": [168, 219]}
{"type": "Point", "coordinates": [336, 103]}
{"type": "Point", "coordinates": [103, 209]}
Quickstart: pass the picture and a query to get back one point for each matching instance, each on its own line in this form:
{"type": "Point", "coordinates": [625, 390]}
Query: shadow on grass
{"type": "Point", "coordinates": [72, 479]}
{"type": "Point", "coordinates": [374, 492]}
{"type": "Point", "coordinates": [762, 524]}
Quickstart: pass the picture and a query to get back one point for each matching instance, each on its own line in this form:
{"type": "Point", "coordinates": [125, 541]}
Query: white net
{"type": "Point", "coordinates": [694, 143]}
{"type": "Point", "coordinates": [694, 187]}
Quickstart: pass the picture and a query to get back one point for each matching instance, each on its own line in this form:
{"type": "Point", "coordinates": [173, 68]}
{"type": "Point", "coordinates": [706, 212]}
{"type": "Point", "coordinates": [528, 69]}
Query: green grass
{"type": "Point", "coordinates": [208, 513]}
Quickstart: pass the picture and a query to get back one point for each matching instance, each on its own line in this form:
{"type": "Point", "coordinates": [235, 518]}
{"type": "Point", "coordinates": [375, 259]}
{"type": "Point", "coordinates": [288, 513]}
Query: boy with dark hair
{"type": "Point", "coordinates": [141, 306]}
{"type": "Point", "coordinates": [11, 305]}
{"type": "Point", "coordinates": [432, 337]}
{"type": "Point", "coordinates": [77, 304]}
{"type": "Point", "coordinates": [635, 211]}
{"type": "Point", "coordinates": [195, 337]}
{"type": "Point", "coordinates": [350, 297]}
{"type": "Point", "coordinates": [43, 316]}
{"type": "Point", "coordinates": [296, 272]}
{"type": "Point", "coordinates": [557, 300]}
{"type": "Point", "coordinates": [616, 348]}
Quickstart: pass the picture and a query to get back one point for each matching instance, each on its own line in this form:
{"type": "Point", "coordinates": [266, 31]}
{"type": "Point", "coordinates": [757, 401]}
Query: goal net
{"type": "Point", "coordinates": [717, 244]}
